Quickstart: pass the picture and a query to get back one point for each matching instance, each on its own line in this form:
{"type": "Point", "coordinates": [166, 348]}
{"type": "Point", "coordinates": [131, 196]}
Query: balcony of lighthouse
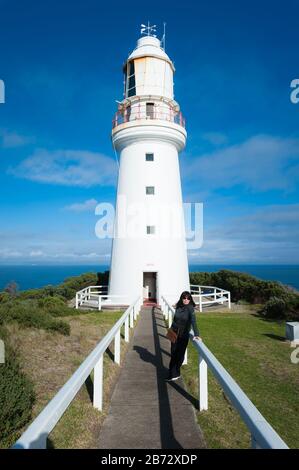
{"type": "Point", "coordinates": [150, 110]}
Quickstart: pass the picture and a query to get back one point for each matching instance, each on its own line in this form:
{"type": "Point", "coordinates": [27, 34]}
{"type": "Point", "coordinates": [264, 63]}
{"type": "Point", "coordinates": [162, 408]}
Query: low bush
{"type": "Point", "coordinates": [55, 306]}
{"type": "Point", "coordinates": [241, 285]}
{"type": "Point", "coordinates": [16, 396]}
{"type": "Point", "coordinates": [244, 287]}
{"type": "Point", "coordinates": [28, 314]}
{"type": "Point", "coordinates": [274, 308]}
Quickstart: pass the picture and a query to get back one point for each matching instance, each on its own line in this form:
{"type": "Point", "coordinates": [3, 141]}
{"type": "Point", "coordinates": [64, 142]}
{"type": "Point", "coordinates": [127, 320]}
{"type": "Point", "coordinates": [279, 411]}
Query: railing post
{"type": "Point", "coordinates": [131, 319]}
{"type": "Point", "coordinates": [203, 384]}
{"type": "Point", "coordinates": [117, 348]}
{"type": "Point", "coordinates": [229, 302]}
{"type": "Point", "coordinates": [169, 317]}
{"type": "Point", "coordinates": [77, 301]}
{"type": "Point", "coordinates": [98, 385]}
{"type": "Point", "coordinates": [127, 334]}
{"type": "Point", "coordinates": [100, 302]}
{"type": "Point", "coordinates": [165, 311]}
{"type": "Point", "coordinates": [135, 312]}
{"type": "Point", "coordinates": [185, 358]}
{"type": "Point", "coordinates": [200, 304]}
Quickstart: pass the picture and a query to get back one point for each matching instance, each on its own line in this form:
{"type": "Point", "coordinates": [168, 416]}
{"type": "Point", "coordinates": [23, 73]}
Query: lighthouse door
{"type": "Point", "coordinates": [149, 286]}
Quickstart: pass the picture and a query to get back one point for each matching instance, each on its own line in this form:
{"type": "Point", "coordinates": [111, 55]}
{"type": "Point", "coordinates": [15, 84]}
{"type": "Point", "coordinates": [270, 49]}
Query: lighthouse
{"type": "Point", "coordinates": [149, 252]}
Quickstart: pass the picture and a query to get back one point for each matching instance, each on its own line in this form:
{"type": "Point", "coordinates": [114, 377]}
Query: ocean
{"type": "Point", "coordinates": [30, 277]}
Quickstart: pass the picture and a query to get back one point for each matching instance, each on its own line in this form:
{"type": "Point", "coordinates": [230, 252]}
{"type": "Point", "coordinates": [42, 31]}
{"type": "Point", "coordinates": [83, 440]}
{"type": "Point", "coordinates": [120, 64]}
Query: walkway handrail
{"type": "Point", "coordinates": [35, 437]}
{"type": "Point", "coordinates": [262, 434]}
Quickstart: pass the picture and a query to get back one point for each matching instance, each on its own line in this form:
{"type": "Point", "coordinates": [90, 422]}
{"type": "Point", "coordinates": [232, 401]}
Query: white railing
{"type": "Point", "coordinates": [141, 112]}
{"type": "Point", "coordinates": [35, 437]}
{"type": "Point", "coordinates": [208, 295]}
{"type": "Point", "coordinates": [97, 296]}
{"type": "Point", "coordinates": [262, 434]}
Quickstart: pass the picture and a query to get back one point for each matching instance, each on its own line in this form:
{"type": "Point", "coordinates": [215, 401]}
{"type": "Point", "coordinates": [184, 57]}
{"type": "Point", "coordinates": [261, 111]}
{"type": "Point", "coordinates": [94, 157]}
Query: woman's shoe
{"type": "Point", "coordinates": [171, 379]}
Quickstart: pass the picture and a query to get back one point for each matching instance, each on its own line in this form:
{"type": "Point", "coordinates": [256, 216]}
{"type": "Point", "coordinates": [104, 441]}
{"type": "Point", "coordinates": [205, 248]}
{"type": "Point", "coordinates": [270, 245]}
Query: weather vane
{"type": "Point", "coordinates": [148, 30]}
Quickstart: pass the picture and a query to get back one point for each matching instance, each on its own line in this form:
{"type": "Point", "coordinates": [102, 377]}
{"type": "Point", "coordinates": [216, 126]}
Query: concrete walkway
{"type": "Point", "coordinates": [146, 412]}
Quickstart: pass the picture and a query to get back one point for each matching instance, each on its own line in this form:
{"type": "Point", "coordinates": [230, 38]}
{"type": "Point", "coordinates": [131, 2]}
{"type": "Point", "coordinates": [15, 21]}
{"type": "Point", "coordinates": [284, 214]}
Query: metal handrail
{"type": "Point", "coordinates": [262, 434]}
{"type": "Point", "coordinates": [140, 112]}
{"type": "Point", "coordinates": [35, 437]}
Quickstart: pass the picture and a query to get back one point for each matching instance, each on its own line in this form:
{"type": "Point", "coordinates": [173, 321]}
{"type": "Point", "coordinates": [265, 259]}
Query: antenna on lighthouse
{"type": "Point", "coordinates": [163, 40]}
{"type": "Point", "coordinates": [148, 30]}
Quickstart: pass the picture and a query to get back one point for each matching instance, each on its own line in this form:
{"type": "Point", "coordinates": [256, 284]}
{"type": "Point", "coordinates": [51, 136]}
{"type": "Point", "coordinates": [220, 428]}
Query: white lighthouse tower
{"type": "Point", "coordinates": [149, 254]}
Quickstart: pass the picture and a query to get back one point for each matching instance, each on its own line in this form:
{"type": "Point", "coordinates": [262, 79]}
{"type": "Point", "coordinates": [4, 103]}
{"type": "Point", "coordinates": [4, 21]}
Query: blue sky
{"type": "Point", "coordinates": [61, 62]}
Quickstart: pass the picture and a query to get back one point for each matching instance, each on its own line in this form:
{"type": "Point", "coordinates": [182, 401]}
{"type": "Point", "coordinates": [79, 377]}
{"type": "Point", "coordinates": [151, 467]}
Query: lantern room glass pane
{"type": "Point", "coordinates": [131, 86]}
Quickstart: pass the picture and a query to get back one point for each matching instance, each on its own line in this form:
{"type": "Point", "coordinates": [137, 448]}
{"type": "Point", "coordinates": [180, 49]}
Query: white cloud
{"type": "Point", "coordinates": [261, 163]}
{"type": "Point", "coordinates": [215, 138]}
{"type": "Point", "coordinates": [269, 235]}
{"type": "Point", "coordinates": [67, 167]}
{"type": "Point", "coordinates": [88, 205]}
{"type": "Point", "coordinates": [36, 253]}
{"type": "Point", "coordinates": [13, 139]}
{"type": "Point", "coordinates": [10, 253]}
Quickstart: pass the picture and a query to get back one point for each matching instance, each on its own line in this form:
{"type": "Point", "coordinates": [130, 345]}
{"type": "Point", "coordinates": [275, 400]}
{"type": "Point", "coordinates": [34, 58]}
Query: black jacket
{"type": "Point", "coordinates": [184, 317]}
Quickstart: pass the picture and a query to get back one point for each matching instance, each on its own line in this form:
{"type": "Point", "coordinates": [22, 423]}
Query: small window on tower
{"type": "Point", "coordinates": [149, 157]}
{"type": "Point", "coordinates": [150, 190]}
{"type": "Point", "coordinates": [150, 229]}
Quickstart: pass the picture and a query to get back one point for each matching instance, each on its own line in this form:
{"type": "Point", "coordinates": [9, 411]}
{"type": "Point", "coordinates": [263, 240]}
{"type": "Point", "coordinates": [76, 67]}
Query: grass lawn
{"type": "Point", "coordinates": [50, 359]}
{"type": "Point", "coordinates": [254, 352]}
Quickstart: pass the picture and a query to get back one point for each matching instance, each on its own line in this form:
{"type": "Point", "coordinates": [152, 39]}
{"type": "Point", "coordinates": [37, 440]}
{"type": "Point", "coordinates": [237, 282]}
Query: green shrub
{"type": "Point", "coordinates": [241, 285]}
{"type": "Point", "coordinates": [4, 297]}
{"type": "Point", "coordinates": [274, 308]}
{"type": "Point", "coordinates": [244, 287]}
{"type": "Point", "coordinates": [16, 396]}
{"type": "Point", "coordinates": [47, 291]}
{"type": "Point", "coordinates": [67, 289]}
{"type": "Point", "coordinates": [56, 306]}
{"type": "Point", "coordinates": [66, 292]}
{"type": "Point", "coordinates": [203, 279]}
{"type": "Point", "coordinates": [29, 315]}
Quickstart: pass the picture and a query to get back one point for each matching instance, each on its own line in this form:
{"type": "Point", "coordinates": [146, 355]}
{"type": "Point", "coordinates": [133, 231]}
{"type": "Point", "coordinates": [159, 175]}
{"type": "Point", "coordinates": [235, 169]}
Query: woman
{"type": "Point", "coordinates": [183, 319]}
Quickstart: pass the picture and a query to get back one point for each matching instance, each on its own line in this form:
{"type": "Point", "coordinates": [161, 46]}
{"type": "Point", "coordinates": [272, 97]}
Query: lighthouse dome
{"type": "Point", "coordinates": [149, 70]}
{"type": "Point", "coordinates": [151, 47]}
